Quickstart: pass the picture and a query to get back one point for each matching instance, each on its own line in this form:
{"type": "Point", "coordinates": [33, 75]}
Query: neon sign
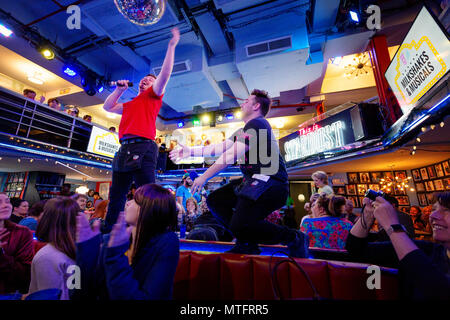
{"type": "Point", "coordinates": [316, 140]}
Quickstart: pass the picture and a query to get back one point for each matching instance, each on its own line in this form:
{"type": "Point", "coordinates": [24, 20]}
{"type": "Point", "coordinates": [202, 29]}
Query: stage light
{"type": "Point", "coordinates": [206, 118]}
{"type": "Point", "coordinates": [100, 89]}
{"type": "Point", "coordinates": [418, 139]}
{"type": "Point", "coordinates": [70, 72]}
{"type": "Point", "coordinates": [238, 114]}
{"type": "Point", "coordinates": [220, 118]}
{"type": "Point", "coordinates": [196, 122]}
{"type": "Point", "coordinates": [5, 31]}
{"type": "Point", "coordinates": [180, 124]}
{"type": "Point", "coordinates": [48, 54]}
{"type": "Point", "coordinates": [229, 116]}
{"type": "Point", "coordinates": [354, 16]}
{"type": "Point", "coordinates": [442, 124]}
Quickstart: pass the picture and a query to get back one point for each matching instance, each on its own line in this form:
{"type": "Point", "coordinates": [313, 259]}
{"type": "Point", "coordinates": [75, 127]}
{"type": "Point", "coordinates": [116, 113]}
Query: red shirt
{"type": "Point", "coordinates": [139, 115]}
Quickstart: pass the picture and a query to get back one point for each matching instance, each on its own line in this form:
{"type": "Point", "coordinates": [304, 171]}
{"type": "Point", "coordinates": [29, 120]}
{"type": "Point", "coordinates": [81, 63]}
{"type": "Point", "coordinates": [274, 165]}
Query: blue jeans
{"type": "Point", "coordinates": [133, 162]}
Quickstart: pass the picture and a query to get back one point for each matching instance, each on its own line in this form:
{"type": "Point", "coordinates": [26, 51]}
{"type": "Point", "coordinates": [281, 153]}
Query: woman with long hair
{"type": "Point", "coordinates": [153, 251]}
{"type": "Point", "coordinates": [56, 227]}
{"type": "Point", "coordinates": [327, 228]}
{"type": "Point", "coordinates": [423, 265]}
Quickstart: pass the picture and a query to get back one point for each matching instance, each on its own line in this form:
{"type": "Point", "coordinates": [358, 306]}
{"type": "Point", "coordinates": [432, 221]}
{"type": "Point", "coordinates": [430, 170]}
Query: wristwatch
{"type": "Point", "coordinates": [395, 228]}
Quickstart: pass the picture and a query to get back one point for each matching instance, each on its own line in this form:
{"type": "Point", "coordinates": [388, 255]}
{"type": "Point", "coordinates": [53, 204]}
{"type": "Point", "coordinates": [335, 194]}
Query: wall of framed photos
{"type": "Point", "coordinates": [360, 182]}
{"type": "Point", "coordinates": [15, 184]}
{"type": "Point", "coordinates": [430, 179]}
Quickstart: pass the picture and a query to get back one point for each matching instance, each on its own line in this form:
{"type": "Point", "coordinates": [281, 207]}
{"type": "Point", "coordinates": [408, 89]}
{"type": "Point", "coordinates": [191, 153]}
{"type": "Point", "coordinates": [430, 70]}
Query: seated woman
{"type": "Point", "coordinates": [192, 213]}
{"type": "Point", "coordinates": [207, 228]}
{"type": "Point", "coordinates": [101, 209]}
{"type": "Point", "coordinates": [326, 228]}
{"type": "Point", "coordinates": [320, 179]}
{"type": "Point", "coordinates": [16, 251]}
{"type": "Point", "coordinates": [49, 269]}
{"type": "Point", "coordinates": [148, 272]}
{"type": "Point", "coordinates": [19, 209]}
{"type": "Point", "coordinates": [423, 265]}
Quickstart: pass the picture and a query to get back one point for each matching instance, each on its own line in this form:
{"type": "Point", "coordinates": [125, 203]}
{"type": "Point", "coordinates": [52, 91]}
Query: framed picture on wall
{"type": "Point", "coordinates": [361, 201]}
{"type": "Point", "coordinates": [404, 209]}
{"type": "Point", "coordinates": [431, 172]}
{"type": "Point", "coordinates": [429, 186]}
{"type": "Point", "coordinates": [364, 177]}
{"type": "Point", "coordinates": [420, 187]}
{"type": "Point", "coordinates": [424, 173]}
{"type": "Point", "coordinates": [416, 174]}
{"type": "Point", "coordinates": [388, 175]}
{"type": "Point", "coordinates": [339, 190]}
{"type": "Point", "coordinates": [355, 201]}
{"type": "Point", "coordinates": [438, 184]}
{"type": "Point", "coordinates": [400, 174]}
{"type": "Point", "coordinates": [375, 187]}
{"type": "Point", "coordinates": [362, 188]}
{"type": "Point", "coordinates": [352, 177]}
{"type": "Point", "coordinates": [375, 177]}
{"type": "Point", "coordinates": [446, 182]}
{"type": "Point", "coordinates": [351, 189]}
{"type": "Point", "coordinates": [446, 167]}
{"type": "Point", "coordinates": [430, 198]}
{"type": "Point", "coordinates": [439, 170]}
{"type": "Point", "coordinates": [399, 191]}
{"type": "Point", "coordinates": [402, 200]}
{"type": "Point", "coordinates": [422, 199]}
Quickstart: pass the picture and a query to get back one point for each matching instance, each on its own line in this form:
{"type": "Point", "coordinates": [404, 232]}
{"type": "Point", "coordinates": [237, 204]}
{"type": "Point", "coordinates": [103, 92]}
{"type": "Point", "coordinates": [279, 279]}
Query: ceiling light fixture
{"type": "Point", "coordinates": [47, 53]}
{"type": "Point", "coordinates": [360, 66]}
{"type": "Point", "coordinates": [5, 31]}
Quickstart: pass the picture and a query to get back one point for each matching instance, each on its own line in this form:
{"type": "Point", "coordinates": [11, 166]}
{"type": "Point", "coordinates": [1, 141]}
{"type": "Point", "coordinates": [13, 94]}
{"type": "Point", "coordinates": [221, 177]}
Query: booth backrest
{"type": "Point", "coordinates": [244, 277]}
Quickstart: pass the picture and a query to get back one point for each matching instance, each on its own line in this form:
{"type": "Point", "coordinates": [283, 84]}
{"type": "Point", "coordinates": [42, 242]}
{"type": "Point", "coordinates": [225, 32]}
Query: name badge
{"type": "Point", "coordinates": [261, 177]}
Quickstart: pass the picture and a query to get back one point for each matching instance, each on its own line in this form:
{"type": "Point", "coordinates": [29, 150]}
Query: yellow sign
{"type": "Point", "coordinates": [420, 62]}
{"type": "Point", "coordinates": [103, 142]}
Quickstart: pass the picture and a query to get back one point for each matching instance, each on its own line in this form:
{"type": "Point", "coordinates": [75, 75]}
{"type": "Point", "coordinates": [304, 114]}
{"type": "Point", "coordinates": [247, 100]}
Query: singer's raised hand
{"type": "Point", "coordinates": [122, 85]}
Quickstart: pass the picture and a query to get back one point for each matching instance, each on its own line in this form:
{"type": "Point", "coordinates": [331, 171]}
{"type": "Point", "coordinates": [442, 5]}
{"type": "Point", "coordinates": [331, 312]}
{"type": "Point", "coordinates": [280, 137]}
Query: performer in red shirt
{"type": "Point", "coordinates": [137, 156]}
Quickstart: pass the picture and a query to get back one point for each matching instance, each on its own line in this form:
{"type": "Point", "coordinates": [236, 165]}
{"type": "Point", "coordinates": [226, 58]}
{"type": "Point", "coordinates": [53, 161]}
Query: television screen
{"type": "Point", "coordinates": [420, 62]}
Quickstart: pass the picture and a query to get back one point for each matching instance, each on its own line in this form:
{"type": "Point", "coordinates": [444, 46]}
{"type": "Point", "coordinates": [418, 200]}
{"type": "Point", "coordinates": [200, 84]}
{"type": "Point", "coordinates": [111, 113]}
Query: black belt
{"type": "Point", "coordinates": [134, 140]}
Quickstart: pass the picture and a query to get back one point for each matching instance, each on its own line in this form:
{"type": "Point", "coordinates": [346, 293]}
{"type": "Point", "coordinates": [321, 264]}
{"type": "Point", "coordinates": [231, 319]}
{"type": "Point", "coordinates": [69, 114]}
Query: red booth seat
{"type": "Point", "coordinates": [245, 277]}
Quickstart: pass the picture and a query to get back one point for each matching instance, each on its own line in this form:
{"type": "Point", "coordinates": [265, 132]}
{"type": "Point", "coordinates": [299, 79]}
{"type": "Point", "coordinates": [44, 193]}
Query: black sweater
{"type": "Point", "coordinates": [424, 273]}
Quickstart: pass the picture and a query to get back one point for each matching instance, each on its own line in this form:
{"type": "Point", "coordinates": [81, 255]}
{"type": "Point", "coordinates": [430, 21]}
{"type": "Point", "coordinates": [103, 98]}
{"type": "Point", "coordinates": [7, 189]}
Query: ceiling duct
{"type": "Point", "coordinates": [179, 67]}
{"type": "Point", "coordinates": [269, 46]}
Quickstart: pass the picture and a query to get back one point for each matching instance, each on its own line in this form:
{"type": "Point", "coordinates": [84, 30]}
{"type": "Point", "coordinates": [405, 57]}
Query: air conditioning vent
{"type": "Point", "coordinates": [269, 46]}
{"type": "Point", "coordinates": [179, 67]}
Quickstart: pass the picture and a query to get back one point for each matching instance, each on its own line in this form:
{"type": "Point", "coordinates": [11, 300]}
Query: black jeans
{"type": "Point", "coordinates": [244, 218]}
{"type": "Point", "coordinates": [133, 162]}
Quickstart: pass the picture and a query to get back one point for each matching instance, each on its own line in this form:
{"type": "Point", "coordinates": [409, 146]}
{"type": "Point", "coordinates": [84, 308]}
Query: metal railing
{"type": "Point", "coordinates": [22, 117]}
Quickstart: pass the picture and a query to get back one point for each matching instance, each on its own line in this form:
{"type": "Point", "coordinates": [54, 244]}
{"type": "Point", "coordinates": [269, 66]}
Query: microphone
{"type": "Point", "coordinates": [114, 83]}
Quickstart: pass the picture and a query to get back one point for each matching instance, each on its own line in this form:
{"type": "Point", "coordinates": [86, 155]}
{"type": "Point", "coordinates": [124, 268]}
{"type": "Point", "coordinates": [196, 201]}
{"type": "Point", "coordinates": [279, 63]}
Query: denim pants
{"type": "Point", "coordinates": [244, 218]}
{"type": "Point", "coordinates": [133, 162]}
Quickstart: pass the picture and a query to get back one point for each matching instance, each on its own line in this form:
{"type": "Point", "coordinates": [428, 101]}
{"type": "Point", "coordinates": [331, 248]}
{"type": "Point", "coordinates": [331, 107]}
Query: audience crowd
{"type": "Point", "coordinates": [138, 259]}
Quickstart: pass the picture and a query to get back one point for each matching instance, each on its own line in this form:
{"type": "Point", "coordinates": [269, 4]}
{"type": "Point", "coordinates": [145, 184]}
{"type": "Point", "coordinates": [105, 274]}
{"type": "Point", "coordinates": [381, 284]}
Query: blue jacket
{"type": "Point", "coordinates": [106, 273]}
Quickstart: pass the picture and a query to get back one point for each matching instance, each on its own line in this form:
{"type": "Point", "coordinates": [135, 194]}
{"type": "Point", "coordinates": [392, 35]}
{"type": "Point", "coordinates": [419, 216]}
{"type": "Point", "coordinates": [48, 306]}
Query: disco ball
{"type": "Point", "coordinates": [142, 12]}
